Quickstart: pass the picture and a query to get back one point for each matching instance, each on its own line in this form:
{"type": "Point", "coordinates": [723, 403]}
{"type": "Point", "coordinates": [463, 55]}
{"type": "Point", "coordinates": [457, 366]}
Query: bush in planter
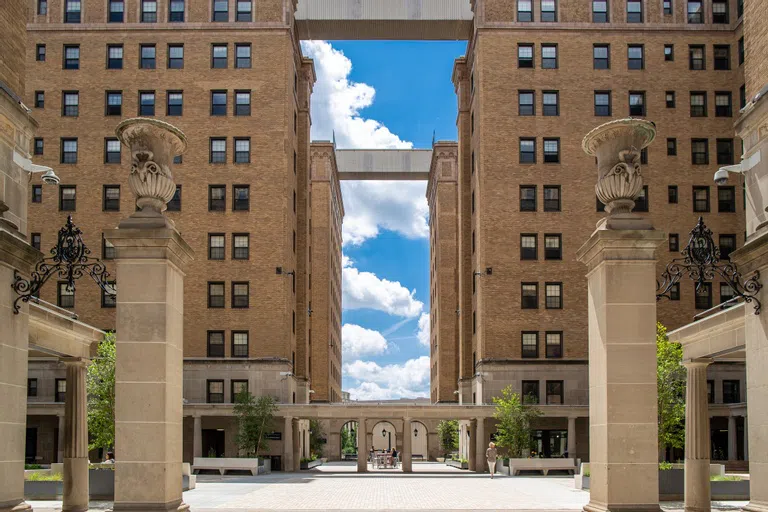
{"type": "Point", "coordinates": [43, 477]}
{"type": "Point", "coordinates": [665, 466]}
{"type": "Point", "coordinates": [33, 466]}
{"type": "Point", "coordinates": [725, 478]}
{"type": "Point", "coordinates": [514, 417]}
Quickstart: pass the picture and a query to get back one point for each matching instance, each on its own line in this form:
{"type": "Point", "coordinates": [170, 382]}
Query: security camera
{"type": "Point", "coordinates": [25, 163]}
{"type": "Point", "coordinates": [286, 374]}
{"type": "Point", "coordinates": [721, 176]}
{"type": "Point", "coordinates": [50, 177]}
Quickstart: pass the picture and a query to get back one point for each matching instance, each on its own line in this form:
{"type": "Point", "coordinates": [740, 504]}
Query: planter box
{"type": "Point", "coordinates": [101, 486]}
{"type": "Point", "coordinates": [457, 464]}
{"type": "Point", "coordinates": [43, 490]}
{"type": "Point", "coordinates": [441, 459]}
{"type": "Point", "coordinates": [311, 464]}
{"type": "Point", "coordinates": [672, 486]}
{"type": "Point", "coordinates": [726, 490]}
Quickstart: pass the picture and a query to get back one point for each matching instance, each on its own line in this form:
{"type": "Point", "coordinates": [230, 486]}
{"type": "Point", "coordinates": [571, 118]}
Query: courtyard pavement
{"type": "Point", "coordinates": [337, 487]}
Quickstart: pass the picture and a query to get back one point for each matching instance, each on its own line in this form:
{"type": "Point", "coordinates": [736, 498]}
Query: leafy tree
{"type": "Point", "coordinates": [254, 418]}
{"type": "Point", "coordinates": [448, 433]}
{"type": "Point", "coordinates": [348, 441]}
{"type": "Point", "coordinates": [316, 438]}
{"type": "Point", "coordinates": [670, 380]}
{"type": "Point", "coordinates": [514, 420]}
{"type": "Point", "coordinates": [100, 386]}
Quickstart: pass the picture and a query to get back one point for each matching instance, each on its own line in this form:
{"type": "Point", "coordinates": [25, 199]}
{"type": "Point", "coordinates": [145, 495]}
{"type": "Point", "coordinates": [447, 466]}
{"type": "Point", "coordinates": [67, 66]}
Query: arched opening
{"type": "Point", "coordinates": [419, 441]}
{"type": "Point", "coordinates": [384, 436]}
{"type": "Point", "coordinates": [348, 441]}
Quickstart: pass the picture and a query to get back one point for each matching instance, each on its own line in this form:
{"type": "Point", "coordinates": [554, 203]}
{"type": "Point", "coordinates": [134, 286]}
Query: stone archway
{"type": "Point", "coordinates": [419, 440]}
{"type": "Point", "coordinates": [348, 440]}
{"type": "Point", "coordinates": [383, 436]}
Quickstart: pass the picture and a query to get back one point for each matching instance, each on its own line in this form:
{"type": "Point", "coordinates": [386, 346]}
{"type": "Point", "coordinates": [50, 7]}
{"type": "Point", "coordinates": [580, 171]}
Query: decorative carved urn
{"type": "Point", "coordinates": [153, 144]}
{"type": "Point", "coordinates": [617, 145]}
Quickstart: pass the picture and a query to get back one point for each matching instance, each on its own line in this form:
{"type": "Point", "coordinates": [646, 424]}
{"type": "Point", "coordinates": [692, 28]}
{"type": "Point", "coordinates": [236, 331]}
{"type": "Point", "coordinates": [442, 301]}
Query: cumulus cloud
{"type": "Point", "coordinates": [365, 290]}
{"type": "Point", "coordinates": [375, 382]}
{"type": "Point", "coordinates": [358, 341]}
{"type": "Point", "coordinates": [423, 332]}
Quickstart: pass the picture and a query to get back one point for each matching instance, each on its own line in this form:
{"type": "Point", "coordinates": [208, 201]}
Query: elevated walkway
{"type": "Point", "coordinates": [383, 164]}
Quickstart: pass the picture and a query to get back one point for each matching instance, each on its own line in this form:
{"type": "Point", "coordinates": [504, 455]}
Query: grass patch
{"type": "Point", "coordinates": [725, 478]}
{"type": "Point", "coordinates": [42, 477]}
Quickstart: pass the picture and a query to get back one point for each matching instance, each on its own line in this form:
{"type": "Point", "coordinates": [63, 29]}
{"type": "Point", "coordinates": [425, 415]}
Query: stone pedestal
{"type": "Point", "coordinates": [75, 497]}
{"type": "Point", "coordinates": [697, 487]}
{"type": "Point", "coordinates": [362, 446]}
{"type": "Point", "coordinates": [197, 437]}
{"type": "Point", "coordinates": [481, 444]}
{"type": "Point", "coordinates": [406, 455]}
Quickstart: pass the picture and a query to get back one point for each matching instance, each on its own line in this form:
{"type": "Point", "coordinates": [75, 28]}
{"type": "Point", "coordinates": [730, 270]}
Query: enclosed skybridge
{"type": "Point", "coordinates": [383, 164]}
{"type": "Point", "coordinates": [432, 20]}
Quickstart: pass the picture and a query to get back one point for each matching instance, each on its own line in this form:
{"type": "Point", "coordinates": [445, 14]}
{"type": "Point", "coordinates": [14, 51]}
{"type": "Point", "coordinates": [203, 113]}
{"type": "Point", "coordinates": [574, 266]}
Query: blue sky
{"type": "Point", "coordinates": [374, 94]}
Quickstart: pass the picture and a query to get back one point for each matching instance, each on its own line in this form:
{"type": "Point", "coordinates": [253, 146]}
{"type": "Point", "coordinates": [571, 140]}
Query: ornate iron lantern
{"type": "Point", "coordinates": [69, 261]}
{"type": "Point", "coordinates": [701, 263]}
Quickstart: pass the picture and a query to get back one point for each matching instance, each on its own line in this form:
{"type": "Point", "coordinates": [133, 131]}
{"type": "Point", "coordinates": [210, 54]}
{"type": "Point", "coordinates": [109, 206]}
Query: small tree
{"type": "Point", "coordinates": [448, 433]}
{"type": "Point", "coordinates": [100, 386]}
{"type": "Point", "coordinates": [348, 441]}
{"type": "Point", "coordinates": [316, 438]}
{"type": "Point", "coordinates": [513, 430]}
{"type": "Point", "coordinates": [254, 418]}
{"type": "Point", "coordinates": [670, 380]}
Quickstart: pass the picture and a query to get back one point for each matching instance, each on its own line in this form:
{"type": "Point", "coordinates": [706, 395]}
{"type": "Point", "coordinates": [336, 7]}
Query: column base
{"type": "Point", "coordinates": [602, 507]}
{"type": "Point", "coordinates": [756, 506]}
{"type": "Point", "coordinates": [171, 506]}
{"type": "Point", "coordinates": [21, 506]}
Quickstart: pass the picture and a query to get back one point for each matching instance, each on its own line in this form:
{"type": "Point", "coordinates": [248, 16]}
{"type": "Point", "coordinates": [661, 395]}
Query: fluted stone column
{"type": "Point", "coordinates": [288, 444]}
{"type": "Point", "coordinates": [621, 274]}
{"type": "Point", "coordinates": [197, 437]}
{"type": "Point", "coordinates": [732, 437]}
{"type": "Point", "coordinates": [60, 448]}
{"type": "Point", "coordinates": [746, 438]}
{"type": "Point", "coordinates": [472, 459]}
{"type": "Point", "coordinates": [297, 437]}
{"type": "Point", "coordinates": [572, 437]}
{"type": "Point", "coordinates": [362, 446]}
{"type": "Point", "coordinates": [75, 438]}
{"type": "Point", "coordinates": [697, 437]}
{"type": "Point", "coordinates": [480, 446]}
{"type": "Point", "coordinates": [150, 259]}
{"type": "Point", "coordinates": [406, 456]}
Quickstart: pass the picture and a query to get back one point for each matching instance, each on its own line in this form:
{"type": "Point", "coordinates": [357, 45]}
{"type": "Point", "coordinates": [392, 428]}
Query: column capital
{"type": "Point", "coordinates": [697, 363]}
{"type": "Point", "coordinates": [150, 244]}
{"type": "Point", "coordinates": [620, 245]}
{"type": "Point", "coordinates": [75, 361]}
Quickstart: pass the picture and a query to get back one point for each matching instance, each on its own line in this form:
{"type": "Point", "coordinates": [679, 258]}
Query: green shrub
{"type": "Point", "coordinates": [33, 466]}
{"type": "Point", "coordinates": [43, 477]}
{"type": "Point", "coordinates": [665, 466]}
{"type": "Point", "coordinates": [725, 478]}
{"type": "Point", "coordinates": [586, 472]}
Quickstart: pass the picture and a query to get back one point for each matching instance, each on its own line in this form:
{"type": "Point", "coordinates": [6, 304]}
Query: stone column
{"type": "Point", "coordinates": [407, 444]}
{"type": "Point", "coordinates": [197, 438]}
{"type": "Point", "coordinates": [732, 437]}
{"type": "Point", "coordinates": [620, 256]}
{"type": "Point", "coordinates": [297, 442]}
{"type": "Point", "coordinates": [60, 449]}
{"type": "Point", "coordinates": [480, 446]}
{"type": "Point", "coordinates": [75, 438]}
{"type": "Point", "coordinates": [288, 444]}
{"type": "Point", "coordinates": [362, 446]}
{"type": "Point", "coordinates": [697, 437]}
{"type": "Point", "coordinates": [746, 439]}
{"type": "Point", "coordinates": [150, 260]}
{"type": "Point", "coordinates": [572, 437]}
{"type": "Point", "coordinates": [471, 460]}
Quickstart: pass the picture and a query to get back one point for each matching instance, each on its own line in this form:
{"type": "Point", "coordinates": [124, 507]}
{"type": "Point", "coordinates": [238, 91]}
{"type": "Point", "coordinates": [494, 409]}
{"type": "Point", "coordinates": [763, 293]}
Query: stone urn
{"type": "Point", "coordinates": [153, 145]}
{"type": "Point", "coordinates": [617, 145]}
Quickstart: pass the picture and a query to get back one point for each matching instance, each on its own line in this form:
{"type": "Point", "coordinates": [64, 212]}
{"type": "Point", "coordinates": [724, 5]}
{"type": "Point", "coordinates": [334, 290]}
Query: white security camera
{"type": "Point", "coordinates": [721, 176]}
{"type": "Point", "coordinates": [286, 374]}
{"type": "Point", "coordinates": [50, 177]}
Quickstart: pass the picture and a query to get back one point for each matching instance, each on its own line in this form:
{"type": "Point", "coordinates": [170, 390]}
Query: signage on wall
{"type": "Point", "coordinates": [274, 436]}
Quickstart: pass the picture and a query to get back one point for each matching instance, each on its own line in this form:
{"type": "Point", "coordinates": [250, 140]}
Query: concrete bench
{"type": "Point", "coordinates": [222, 465]}
{"type": "Point", "coordinates": [543, 465]}
{"type": "Point", "coordinates": [417, 456]}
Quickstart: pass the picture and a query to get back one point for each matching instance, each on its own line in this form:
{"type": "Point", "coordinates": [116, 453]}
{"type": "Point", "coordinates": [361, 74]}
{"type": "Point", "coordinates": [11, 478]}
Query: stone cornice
{"type": "Point", "coordinates": [620, 245]}
{"type": "Point", "coordinates": [17, 253]}
{"type": "Point", "coordinates": [752, 256]}
{"type": "Point", "coordinates": [150, 244]}
{"type": "Point", "coordinates": [752, 125]}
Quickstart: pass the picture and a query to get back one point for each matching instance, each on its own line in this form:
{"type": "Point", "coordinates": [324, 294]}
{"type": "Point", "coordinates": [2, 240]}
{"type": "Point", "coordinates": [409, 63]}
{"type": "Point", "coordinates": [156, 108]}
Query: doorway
{"type": "Point", "coordinates": [213, 442]}
{"type": "Point", "coordinates": [30, 450]}
{"type": "Point", "coordinates": [549, 444]}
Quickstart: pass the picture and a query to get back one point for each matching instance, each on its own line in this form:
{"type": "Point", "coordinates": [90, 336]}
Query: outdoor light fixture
{"type": "Point", "coordinates": [279, 271]}
{"type": "Point", "coordinates": [488, 272]}
{"type": "Point", "coordinates": [383, 433]}
{"type": "Point", "coordinates": [415, 432]}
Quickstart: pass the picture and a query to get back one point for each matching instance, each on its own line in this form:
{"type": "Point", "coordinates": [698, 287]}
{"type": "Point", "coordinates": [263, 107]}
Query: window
{"type": "Point", "coordinates": [636, 103]}
{"type": "Point", "coordinates": [635, 56]}
{"type": "Point", "coordinates": [242, 151]}
{"type": "Point", "coordinates": [700, 199]}
{"type": "Point", "coordinates": [240, 295]}
{"type": "Point", "coordinates": [726, 293]}
{"type": "Point", "coordinates": [527, 151]}
{"type": "Point", "coordinates": [602, 103]}
{"type": "Point", "coordinates": [109, 295]}
{"type": "Point", "coordinates": [529, 296]}
{"type": "Point", "coordinates": [739, 8]}
{"type": "Point", "coordinates": [32, 387]}
{"type": "Point", "coordinates": [174, 205]}
{"type": "Point", "coordinates": [695, 12]}
{"type": "Point", "coordinates": [674, 292]}
{"type": "Point", "coordinates": [239, 343]}
{"type": "Point", "coordinates": [723, 104]}
{"type": "Point", "coordinates": [242, 103]}
{"type": "Point", "coordinates": [669, 52]}
{"type": "Point", "coordinates": [216, 242]}
{"type": "Point", "coordinates": [242, 55]}
{"type": "Point", "coordinates": [601, 56]}
{"type": "Point", "coordinates": [551, 151]}
{"type": "Point", "coordinates": [554, 344]}
{"type": "Point", "coordinates": [147, 56]}
{"type": "Point", "coordinates": [36, 240]}
{"type": "Point", "coordinates": [530, 391]}
{"type": "Point", "coordinates": [65, 297]}
{"type": "Point", "coordinates": [672, 194]}
{"type": "Point", "coordinates": [218, 103]}
{"type": "Point", "coordinates": [742, 96]}
{"type": "Point", "coordinates": [42, 7]}
{"type": "Point", "coordinates": [175, 103]}
{"type": "Point", "coordinates": [525, 56]}
{"type": "Point", "coordinates": [731, 392]}
{"type": "Point", "coordinates": [528, 249]}
{"type": "Point", "coordinates": [116, 11]}
{"type": "Point", "coordinates": [525, 103]}
{"type": "Point", "coordinates": [115, 57]}
{"type": "Point", "coordinates": [176, 12]}
{"type": "Point", "coordinates": [111, 151]}
{"type": "Point", "coordinates": [111, 198]}
{"type": "Point", "coordinates": [551, 198]}
{"type": "Point", "coordinates": [696, 58]}
{"type": "Point", "coordinates": [741, 51]}
{"type": "Point", "coordinates": [240, 386]}
{"type": "Point", "coordinates": [220, 10]}
{"type": "Point", "coordinates": [727, 246]}
{"type": "Point", "coordinates": [667, 4]}
{"type": "Point", "coordinates": [72, 11]}
{"type": "Point", "coordinates": [726, 200]}
{"type": "Point", "coordinates": [147, 103]}
{"type": "Point", "coordinates": [37, 193]}
{"type": "Point", "coordinates": [674, 242]}
{"type": "Point", "coordinates": [524, 10]}
{"type": "Point", "coordinates": [244, 10]}
{"type": "Point", "coordinates": [148, 11]}
{"type": "Point", "coordinates": [175, 56]}
{"type": "Point", "coordinates": [39, 99]}
{"type": "Point", "coordinates": [724, 151]}
{"type": "Point", "coordinates": [550, 103]}
{"type": "Point", "coordinates": [554, 392]}
{"type": "Point", "coordinates": [722, 55]}
{"type": "Point", "coordinates": [710, 391]}
{"type": "Point", "coordinates": [61, 390]}
{"type": "Point", "coordinates": [634, 11]}
{"type": "Point", "coordinates": [107, 249]}
{"type": "Point", "coordinates": [215, 343]}
{"type": "Point", "coordinates": [240, 246]}
{"type": "Point", "coordinates": [68, 151]}
{"type": "Point", "coordinates": [219, 56]}
{"type": "Point", "coordinates": [241, 198]}
{"type": "Point", "coordinates": [553, 249]}
{"type": "Point", "coordinates": [554, 295]}
{"type": "Point", "coordinates": [698, 104]}
{"type": "Point", "coordinates": [215, 294]}
{"type": "Point", "coordinates": [672, 148]}
{"type": "Point", "coordinates": [217, 195]}
{"type": "Point", "coordinates": [644, 156]}
{"type": "Point", "coordinates": [599, 11]}
{"type": "Point", "coordinates": [530, 344]}
{"type": "Point", "coordinates": [39, 146]}
{"type": "Point", "coordinates": [548, 10]}
{"type": "Point", "coordinates": [527, 198]}
{"type": "Point", "coordinates": [72, 57]}
{"type": "Point", "coordinates": [704, 296]}
{"type": "Point", "coordinates": [669, 99]}
{"type": "Point", "coordinates": [215, 391]}
{"type": "Point", "coordinates": [700, 152]}
{"type": "Point", "coordinates": [40, 53]}
{"type": "Point", "coordinates": [70, 103]}
{"type": "Point", "coordinates": [719, 11]}
{"type": "Point", "coordinates": [218, 151]}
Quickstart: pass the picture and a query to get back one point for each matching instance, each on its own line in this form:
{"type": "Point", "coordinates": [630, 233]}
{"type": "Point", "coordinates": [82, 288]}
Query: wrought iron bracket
{"type": "Point", "coordinates": [701, 263]}
{"type": "Point", "coordinates": [69, 262]}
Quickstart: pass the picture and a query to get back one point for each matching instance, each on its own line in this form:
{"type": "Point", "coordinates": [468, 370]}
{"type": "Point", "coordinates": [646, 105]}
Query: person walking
{"type": "Point", "coordinates": [490, 456]}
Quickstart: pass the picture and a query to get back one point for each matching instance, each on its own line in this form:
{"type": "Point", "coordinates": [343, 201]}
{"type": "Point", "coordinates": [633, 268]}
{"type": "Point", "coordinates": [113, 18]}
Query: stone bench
{"type": "Point", "coordinates": [222, 465]}
{"type": "Point", "coordinates": [543, 465]}
{"type": "Point", "coordinates": [417, 456]}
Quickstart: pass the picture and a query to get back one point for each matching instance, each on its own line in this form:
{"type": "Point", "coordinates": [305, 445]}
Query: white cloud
{"type": "Point", "coordinates": [423, 333]}
{"type": "Point", "coordinates": [374, 382]}
{"type": "Point", "coordinates": [358, 341]}
{"type": "Point", "coordinates": [365, 290]}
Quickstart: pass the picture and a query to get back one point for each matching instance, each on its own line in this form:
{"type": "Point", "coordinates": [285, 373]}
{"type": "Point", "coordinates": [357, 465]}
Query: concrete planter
{"type": "Point", "coordinates": [672, 487]}
{"type": "Point", "coordinates": [311, 464]}
{"type": "Point", "coordinates": [457, 464]}
{"type": "Point", "coordinates": [726, 490]}
{"type": "Point", "coordinates": [43, 490]}
{"type": "Point", "coordinates": [101, 484]}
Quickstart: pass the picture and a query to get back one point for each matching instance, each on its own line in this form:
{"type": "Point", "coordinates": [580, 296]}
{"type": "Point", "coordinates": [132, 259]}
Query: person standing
{"type": "Point", "coordinates": [490, 456]}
